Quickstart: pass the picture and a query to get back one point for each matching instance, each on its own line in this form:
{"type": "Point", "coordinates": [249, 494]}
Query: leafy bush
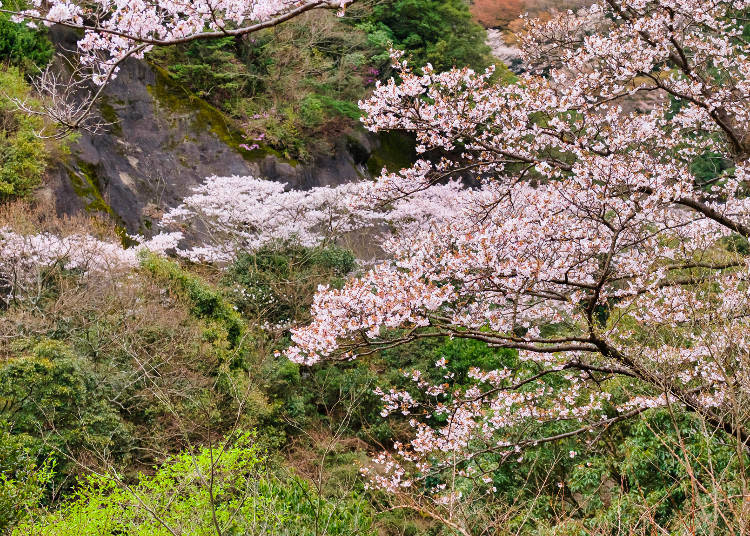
{"type": "Point", "coordinates": [22, 46]}
{"type": "Point", "coordinates": [232, 489]}
{"type": "Point", "coordinates": [121, 367]}
{"type": "Point", "coordinates": [54, 396]}
{"type": "Point", "coordinates": [23, 480]}
{"type": "Point", "coordinates": [206, 302]}
{"type": "Point", "coordinates": [211, 69]}
{"type": "Point", "coordinates": [291, 88]}
{"type": "Point", "coordinates": [22, 153]}
{"type": "Point", "coordinates": [275, 285]}
{"type": "Point", "coordinates": [440, 32]}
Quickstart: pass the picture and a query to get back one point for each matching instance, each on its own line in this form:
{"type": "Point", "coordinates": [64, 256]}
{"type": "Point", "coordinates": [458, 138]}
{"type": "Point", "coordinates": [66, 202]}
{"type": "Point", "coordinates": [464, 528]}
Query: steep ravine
{"type": "Point", "coordinates": [162, 142]}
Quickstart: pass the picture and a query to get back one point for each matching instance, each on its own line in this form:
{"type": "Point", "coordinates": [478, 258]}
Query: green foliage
{"type": "Point", "coordinates": [295, 88]}
{"type": "Point", "coordinates": [231, 487]}
{"type": "Point", "coordinates": [22, 46]}
{"type": "Point", "coordinates": [464, 354]}
{"type": "Point", "coordinates": [22, 154]}
{"type": "Point", "coordinates": [276, 284]}
{"type": "Point", "coordinates": [341, 107]}
{"type": "Point", "coordinates": [23, 480]}
{"type": "Point", "coordinates": [708, 167]}
{"type": "Point", "coordinates": [212, 69]}
{"type": "Point", "coordinates": [291, 88]}
{"type": "Point", "coordinates": [654, 464]}
{"type": "Point", "coordinates": [133, 353]}
{"type": "Point", "coordinates": [332, 392]}
{"type": "Point", "coordinates": [52, 395]}
{"type": "Point", "coordinates": [440, 32]}
{"type": "Point", "coordinates": [311, 111]}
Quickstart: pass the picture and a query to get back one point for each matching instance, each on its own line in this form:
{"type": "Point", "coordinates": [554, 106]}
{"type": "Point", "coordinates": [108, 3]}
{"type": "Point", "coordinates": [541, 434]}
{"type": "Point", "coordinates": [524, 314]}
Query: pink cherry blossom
{"type": "Point", "coordinates": [588, 244]}
{"type": "Point", "coordinates": [23, 257]}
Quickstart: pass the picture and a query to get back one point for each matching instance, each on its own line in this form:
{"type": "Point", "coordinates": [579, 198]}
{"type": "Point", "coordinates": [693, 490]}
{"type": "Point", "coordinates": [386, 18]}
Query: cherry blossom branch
{"type": "Point", "coordinates": [115, 32]}
{"type": "Point", "coordinates": [236, 32]}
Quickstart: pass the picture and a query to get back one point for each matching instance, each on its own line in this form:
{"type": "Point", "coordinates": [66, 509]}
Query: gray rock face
{"type": "Point", "coordinates": [162, 142]}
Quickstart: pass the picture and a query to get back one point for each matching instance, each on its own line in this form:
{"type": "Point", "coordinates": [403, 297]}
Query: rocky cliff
{"type": "Point", "coordinates": [161, 141]}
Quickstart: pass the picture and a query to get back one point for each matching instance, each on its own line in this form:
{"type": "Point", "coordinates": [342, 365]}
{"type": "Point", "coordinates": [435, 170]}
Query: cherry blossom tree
{"type": "Point", "coordinates": [227, 215]}
{"type": "Point", "coordinates": [230, 214]}
{"type": "Point", "coordinates": [590, 245]}
{"type": "Point", "coordinates": [116, 30]}
{"type": "Point", "coordinates": [26, 258]}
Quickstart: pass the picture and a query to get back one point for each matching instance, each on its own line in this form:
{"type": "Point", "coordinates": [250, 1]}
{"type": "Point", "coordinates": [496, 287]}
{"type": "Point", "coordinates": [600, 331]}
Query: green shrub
{"type": "Point", "coordinates": [341, 108]}
{"type": "Point", "coordinates": [22, 154]}
{"type": "Point", "coordinates": [56, 399]}
{"type": "Point", "coordinates": [311, 111]}
{"type": "Point", "coordinates": [441, 32]}
{"type": "Point", "coordinates": [210, 68]}
{"type": "Point", "coordinates": [23, 480]}
{"type": "Point", "coordinates": [292, 89]}
{"type": "Point", "coordinates": [232, 487]}
{"type": "Point", "coordinates": [22, 46]}
{"type": "Point", "coordinates": [276, 284]}
{"type": "Point", "coordinates": [206, 302]}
